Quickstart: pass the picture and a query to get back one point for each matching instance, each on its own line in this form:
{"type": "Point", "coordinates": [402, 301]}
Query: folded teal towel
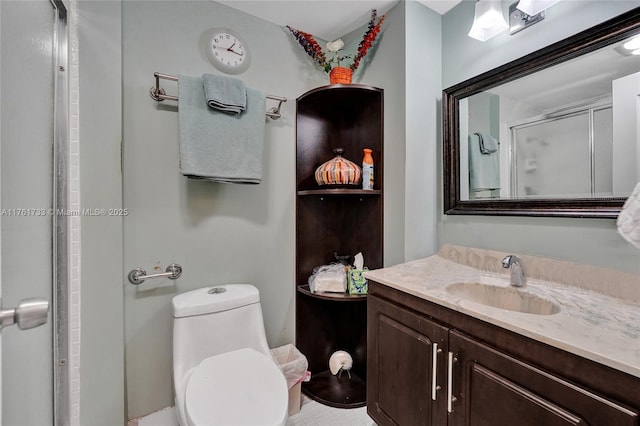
{"type": "Point", "coordinates": [484, 163]}
{"type": "Point", "coordinates": [225, 93]}
{"type": "Point", "coordinates": [488, 143]}
{"type": "Point", "coordinates": [218, 146]}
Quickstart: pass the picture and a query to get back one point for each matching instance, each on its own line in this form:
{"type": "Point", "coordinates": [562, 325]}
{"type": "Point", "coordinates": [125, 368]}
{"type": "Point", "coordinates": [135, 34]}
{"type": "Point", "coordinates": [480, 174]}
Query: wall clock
{"type": "Point", "coordinates": [227, 51]}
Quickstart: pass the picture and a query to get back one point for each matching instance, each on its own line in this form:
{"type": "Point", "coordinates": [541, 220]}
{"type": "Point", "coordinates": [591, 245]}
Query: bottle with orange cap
{"type": "Point", "coordinates": [367, 170]}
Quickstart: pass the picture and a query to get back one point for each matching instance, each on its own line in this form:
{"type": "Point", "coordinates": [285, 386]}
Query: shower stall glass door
{"type": "Point", "coordinates": [569, 155]}
{"type": "Point", "coordinates": [27, 38]}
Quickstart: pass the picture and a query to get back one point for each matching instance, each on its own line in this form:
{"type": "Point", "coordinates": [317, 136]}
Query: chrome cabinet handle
{"type": "Point", "coordinates": [450, 398]}
{"type": "Point", "coordinates": [30, 313]}
{"type": "Point", "coordinates": [434, 368]}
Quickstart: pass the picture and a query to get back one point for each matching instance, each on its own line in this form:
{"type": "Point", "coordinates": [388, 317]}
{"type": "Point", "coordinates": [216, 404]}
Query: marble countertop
{"type": "Point", "coordinates": [592, 324]}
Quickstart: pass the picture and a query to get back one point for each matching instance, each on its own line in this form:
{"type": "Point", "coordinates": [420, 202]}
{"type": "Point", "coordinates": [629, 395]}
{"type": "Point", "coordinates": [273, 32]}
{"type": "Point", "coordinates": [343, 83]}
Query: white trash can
{"type": "Point", "coordinates": [293, 365]}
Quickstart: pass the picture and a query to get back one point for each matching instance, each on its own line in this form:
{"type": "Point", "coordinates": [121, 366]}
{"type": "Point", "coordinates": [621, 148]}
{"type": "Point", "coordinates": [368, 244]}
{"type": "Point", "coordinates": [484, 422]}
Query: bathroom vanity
{"type": "Point", "coordinates": [438, 354]}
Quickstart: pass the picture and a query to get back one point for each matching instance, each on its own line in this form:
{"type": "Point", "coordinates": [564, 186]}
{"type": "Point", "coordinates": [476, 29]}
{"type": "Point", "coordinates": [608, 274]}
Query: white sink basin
{"type": "Point", "coordinates": [508, 298]}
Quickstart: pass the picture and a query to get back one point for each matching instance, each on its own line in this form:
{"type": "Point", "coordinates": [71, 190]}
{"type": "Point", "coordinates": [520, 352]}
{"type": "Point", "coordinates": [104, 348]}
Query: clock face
{"type": "Point", "coordinates": [228, 52]}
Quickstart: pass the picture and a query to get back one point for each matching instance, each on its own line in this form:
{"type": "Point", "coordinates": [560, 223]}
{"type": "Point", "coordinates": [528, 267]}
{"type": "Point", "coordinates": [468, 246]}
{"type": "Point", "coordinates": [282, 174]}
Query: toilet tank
{"type": "Point", "coordinates": [214, 320]}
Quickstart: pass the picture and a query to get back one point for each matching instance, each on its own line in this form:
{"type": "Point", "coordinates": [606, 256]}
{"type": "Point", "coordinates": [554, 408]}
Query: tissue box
{"type": "Point", "coordinates": [357, 281]}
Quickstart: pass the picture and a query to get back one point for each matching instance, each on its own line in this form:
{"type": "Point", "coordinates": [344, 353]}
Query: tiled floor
{"type": "Point", "coordinates": [313, 413]}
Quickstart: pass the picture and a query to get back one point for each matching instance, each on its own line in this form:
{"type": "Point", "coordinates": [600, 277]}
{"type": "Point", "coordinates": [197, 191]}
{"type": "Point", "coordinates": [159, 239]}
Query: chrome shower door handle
{"type": "Point", "coordinates": [30, 313]}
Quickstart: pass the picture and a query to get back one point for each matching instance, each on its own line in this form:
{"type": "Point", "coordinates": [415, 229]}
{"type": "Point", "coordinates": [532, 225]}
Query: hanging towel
{"type": "Point", "coordinates": [225, 93]}
{"type": "Point", "coordinates": [215, 145]}
{"type": "Point", "coordinates": [629, 218]}
{"type": "Point", "coordinates": [488, 144]}
{"type": "Point", "coordinates": [484, 163]}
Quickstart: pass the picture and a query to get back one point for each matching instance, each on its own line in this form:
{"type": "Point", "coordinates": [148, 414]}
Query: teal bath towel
{"type": "Point", "coordinates": [484, 162]}
{"type": "Point", "coordinates": [215, 145]}
{"type": "Point", "coordinates": [225, 93]}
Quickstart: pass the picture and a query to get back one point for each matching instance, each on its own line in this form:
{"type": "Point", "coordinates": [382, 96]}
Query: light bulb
{"type": "Point", "coordinates": [488, 20]}
{"type": "Point", "coordinates": [632, 44]}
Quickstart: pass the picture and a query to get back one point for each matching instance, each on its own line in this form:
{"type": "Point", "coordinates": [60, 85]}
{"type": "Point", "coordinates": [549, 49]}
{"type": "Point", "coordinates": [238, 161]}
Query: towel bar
{"type": "Point", "coordinates": [158, 94]}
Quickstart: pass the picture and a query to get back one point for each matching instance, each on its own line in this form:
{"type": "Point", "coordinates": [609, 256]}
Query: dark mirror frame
{"type": "Point", "coordinates": [601, 35]}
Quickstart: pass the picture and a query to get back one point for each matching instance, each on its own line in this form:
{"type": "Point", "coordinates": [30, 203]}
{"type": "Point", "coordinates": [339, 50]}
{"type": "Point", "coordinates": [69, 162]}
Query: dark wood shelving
{"type": "Point", "coordinates": [334, 391]}
{"type": "Point", "coordinates": [344, 220]}
{"type": "Point", "coordinates": [304, 289]}
{"type": "Point", "coordinates": [341, 191]}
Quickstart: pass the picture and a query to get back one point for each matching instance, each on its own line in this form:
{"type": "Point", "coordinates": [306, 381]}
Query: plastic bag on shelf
{"type": "Point", "coordinates": [328, 278]}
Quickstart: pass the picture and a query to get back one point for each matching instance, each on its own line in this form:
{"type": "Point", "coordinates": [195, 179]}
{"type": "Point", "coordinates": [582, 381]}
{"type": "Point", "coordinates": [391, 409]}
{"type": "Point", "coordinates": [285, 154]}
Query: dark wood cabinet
{"type": "Point", "coordinates": [336, 220]}
{"type": "Point", "coordinates": [484, 376]}
{"type": "Point", "coordinates": [404, 381]}
{"type": "Point", "coordinates": [493, 388]}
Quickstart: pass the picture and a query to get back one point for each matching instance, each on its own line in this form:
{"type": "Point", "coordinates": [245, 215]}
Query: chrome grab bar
{"type": "Point", "coordinates": [138, 276]}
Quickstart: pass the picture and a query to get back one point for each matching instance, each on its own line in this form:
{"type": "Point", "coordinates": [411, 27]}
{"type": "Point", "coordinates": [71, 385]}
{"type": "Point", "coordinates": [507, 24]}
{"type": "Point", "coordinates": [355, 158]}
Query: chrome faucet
{"type": "Point", "coordinates": [514, 264]}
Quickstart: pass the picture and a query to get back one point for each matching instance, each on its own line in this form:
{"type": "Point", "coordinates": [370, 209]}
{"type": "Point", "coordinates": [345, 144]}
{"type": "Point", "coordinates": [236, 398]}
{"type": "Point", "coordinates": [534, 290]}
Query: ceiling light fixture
{"type": "Point", "coordinates": [533, 7]}
{"type": "Point", "coordinates": [488, 20]}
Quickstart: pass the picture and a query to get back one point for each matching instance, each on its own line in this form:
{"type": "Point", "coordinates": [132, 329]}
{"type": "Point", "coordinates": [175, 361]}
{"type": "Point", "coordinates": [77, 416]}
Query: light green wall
{"type": "Point", "coordinates": [590, 241]}
{"type": "Point", "coordinates": [423, 84]}
{"type": "Point", "coordinates": [386, 70]}
{"type": "Point", "coordinates": [100, 111]}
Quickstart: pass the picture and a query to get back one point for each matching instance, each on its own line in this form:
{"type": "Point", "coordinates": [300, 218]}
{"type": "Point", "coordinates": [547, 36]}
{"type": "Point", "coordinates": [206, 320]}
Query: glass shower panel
{"type": "Point", "coordinates": [552, 158]}
{"type": "Point", "coordinates": [27, 30]}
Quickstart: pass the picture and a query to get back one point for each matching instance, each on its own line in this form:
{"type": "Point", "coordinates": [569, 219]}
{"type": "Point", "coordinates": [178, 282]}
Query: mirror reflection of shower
{"type": "Point", "coordinates": [556, 155]}
{"type": "Point", "coordinates": [588, 148]}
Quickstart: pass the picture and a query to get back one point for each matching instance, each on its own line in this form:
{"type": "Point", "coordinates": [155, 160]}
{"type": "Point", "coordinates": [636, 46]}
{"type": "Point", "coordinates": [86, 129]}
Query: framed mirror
{"type": "Point", "coordinates": [554, 133]}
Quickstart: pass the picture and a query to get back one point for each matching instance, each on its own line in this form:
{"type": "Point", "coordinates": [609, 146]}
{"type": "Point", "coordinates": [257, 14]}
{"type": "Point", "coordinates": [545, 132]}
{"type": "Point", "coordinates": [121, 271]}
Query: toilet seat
{"type": "Point", "coordinates": [242, 387]}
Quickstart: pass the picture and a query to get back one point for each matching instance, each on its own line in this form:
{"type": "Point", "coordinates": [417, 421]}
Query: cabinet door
{"type": "Point", "coordinates": [404, 350]}
{"type": "Point", "coordinates": [491, 388]}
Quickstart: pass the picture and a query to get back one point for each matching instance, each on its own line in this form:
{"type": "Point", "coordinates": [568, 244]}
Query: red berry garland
{"type": "Point", "coordinates": [313, 49]}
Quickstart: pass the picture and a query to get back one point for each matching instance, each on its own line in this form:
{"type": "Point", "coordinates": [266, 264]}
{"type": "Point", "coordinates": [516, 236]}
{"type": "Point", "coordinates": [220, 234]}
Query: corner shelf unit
{"type": "Point", "coordinates": [336, 220]}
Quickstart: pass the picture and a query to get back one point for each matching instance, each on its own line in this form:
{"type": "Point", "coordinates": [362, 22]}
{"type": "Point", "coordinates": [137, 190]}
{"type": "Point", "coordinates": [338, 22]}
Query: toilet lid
{"type": "Point", "coordinates": [242, 387]}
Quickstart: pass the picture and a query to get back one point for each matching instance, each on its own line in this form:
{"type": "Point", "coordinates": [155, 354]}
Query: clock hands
{"type": "Point", "coordinates": [229, 49]}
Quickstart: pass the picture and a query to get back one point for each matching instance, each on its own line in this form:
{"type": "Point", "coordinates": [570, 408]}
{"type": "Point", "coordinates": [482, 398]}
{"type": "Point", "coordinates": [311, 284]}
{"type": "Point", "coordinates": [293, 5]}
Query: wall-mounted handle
{"type": "Point", "coordinates": [450, 398]}
{"type": "Point", "coordinates": [434, 369]}
{"type": "Point", "coordinates": [30, 313]}
{"type": "Point", "coordinates": [138, 275]}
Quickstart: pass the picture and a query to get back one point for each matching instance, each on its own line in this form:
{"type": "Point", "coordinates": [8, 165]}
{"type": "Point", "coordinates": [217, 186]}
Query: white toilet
{"type": "Point", "coordinates": [223, 372]}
